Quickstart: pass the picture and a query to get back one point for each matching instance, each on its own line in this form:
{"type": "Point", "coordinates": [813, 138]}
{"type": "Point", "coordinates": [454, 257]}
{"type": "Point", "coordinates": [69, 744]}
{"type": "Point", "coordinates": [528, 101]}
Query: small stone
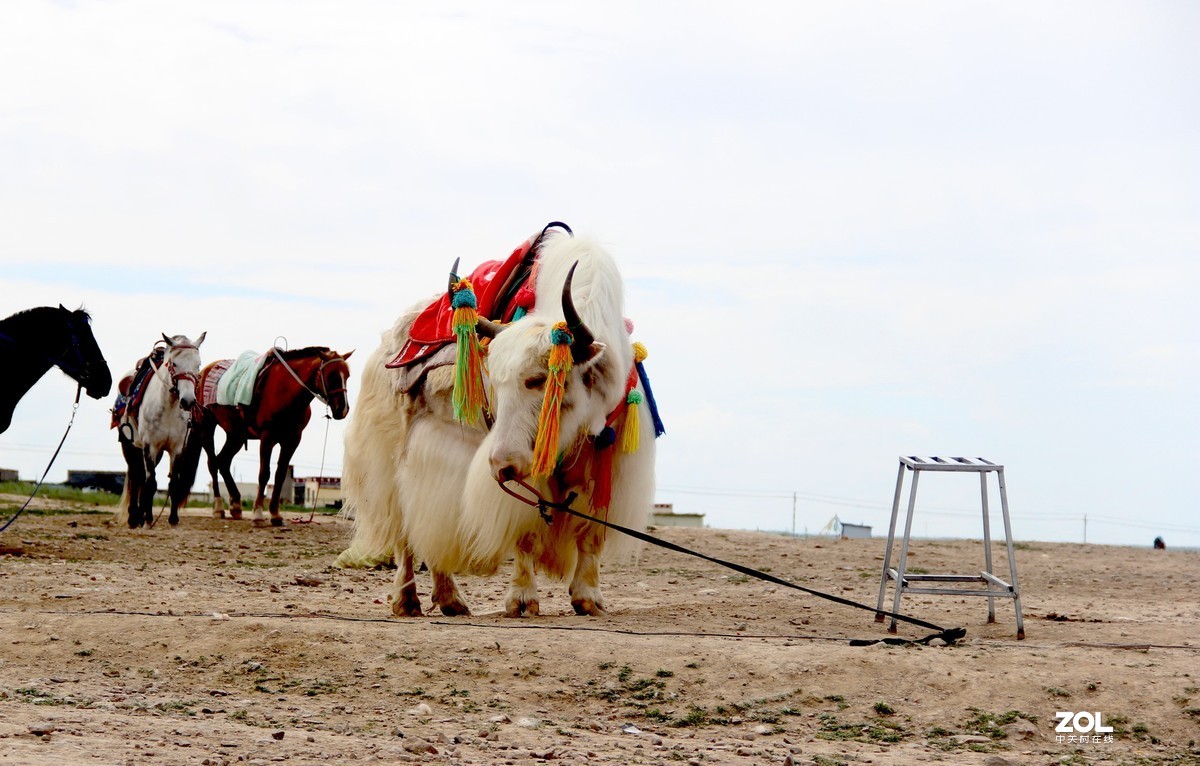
{"type": "Point", "coordinates": [762, 728]}
{"type": "Point", "coordinates": [996, 760]}
{"type": "Point", "coordinates": [744, 751]}
{"type": "Point", "coordinates": [277, 734]}
{"type": "Point", "coordinates": [423, 709]}
{"type": "Point", "coordinates": [41, 728]}
{"type": "Point", "coordinates": [936, 642]}
{"type": "Point", "coordinates": [500, 719]}
{"type": "Point", "coordinates": [528, 723]}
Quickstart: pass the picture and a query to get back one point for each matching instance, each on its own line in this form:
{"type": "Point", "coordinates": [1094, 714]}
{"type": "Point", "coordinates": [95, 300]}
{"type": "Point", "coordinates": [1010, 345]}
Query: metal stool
{"type": "Point", "coordinates": [994, 587]}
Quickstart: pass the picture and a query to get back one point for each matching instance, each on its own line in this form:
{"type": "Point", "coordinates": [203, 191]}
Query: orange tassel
{"type": "Point", "coordinates": [545, 446]}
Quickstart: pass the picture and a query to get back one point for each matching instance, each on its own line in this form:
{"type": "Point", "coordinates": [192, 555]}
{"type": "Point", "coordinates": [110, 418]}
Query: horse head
{"type": "Point", "coordinates": [80, 356]}
{"type": "Point", "coordinates": [182, 364]}
{"type": "Point", "coordinates": [331, 377]}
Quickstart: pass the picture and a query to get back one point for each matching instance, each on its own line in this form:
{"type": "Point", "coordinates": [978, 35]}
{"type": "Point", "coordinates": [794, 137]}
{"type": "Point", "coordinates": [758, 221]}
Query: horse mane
{"type": "Point", "coordinates": [32, 320]}
{"type": "Point", "coordinates": [299, 353]}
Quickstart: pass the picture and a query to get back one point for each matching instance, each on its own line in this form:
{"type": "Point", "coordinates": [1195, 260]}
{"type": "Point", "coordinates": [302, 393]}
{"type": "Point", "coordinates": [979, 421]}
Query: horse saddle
{"type": "Point", "coordinates": [132, 386]}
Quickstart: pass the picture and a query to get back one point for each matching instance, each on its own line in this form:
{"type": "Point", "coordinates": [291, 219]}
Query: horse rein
{"type": "Point", "coordinates": [319, 374]}
{"type": "Point", "coordinates": [61, 442]}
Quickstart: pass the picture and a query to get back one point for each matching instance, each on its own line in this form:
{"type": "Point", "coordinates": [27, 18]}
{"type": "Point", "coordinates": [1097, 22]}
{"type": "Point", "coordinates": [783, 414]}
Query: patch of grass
{"type": "Point", "coordinates": [178, 706]}
{"type": "Point", "coordinates": [38, 697]}
{"type": "Point", "coordinates": [664, 673]}
{"type": "Point", "coordinates": [874, 731]}
{"type": "Point", "coordinates": [883, 708]}
{"type": "Point", "coordinates": [991, 724]}
{"type": "Point", "coordinates": [58, 492]}
{"type": "Point", "coordinates": [84, 653]}
{"type": "Point", "coordinates": [1054, 691]}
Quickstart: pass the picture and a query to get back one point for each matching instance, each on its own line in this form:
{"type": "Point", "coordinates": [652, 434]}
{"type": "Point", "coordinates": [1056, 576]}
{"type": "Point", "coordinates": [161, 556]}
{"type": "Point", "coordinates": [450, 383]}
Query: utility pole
{"type": "Point", "coordinates": [793, 514]}
{"type": "Point", "coordinates": [1085, 529]}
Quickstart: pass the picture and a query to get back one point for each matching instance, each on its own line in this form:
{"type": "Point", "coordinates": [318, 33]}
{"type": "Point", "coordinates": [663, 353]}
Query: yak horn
{"type": "Point", "coordinates": [583, 338]}
{"type": "Point", "coordinates": [453, 279]}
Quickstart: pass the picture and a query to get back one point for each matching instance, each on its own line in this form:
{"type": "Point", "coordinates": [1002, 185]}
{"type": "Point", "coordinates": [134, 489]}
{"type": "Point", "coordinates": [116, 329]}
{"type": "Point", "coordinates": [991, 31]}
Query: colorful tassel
{"type": "Point", "coordinates": [639, 356]}
{"type": "Point", "coordinates": [631, 432]}
{"type": "Point", "coordinates": [545, 446]}
{"type": "Point", "coordinates": [468, 366]}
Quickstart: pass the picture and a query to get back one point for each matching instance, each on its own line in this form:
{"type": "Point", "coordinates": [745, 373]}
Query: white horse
{"type": "Point", "coordinates": [421, 484]}
{"type": "Point", "coordinates": [157, 423]}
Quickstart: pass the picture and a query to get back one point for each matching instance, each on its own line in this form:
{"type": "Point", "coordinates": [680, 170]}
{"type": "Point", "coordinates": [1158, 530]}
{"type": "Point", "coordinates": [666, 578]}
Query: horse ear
{"type": "Point", "coordinates": [167, 340]}
{"type": "Point", "coordinates": [63, 308]}
{"type": "Point", "coordinates": [201, 338]}
{"type": "Point", "coordinates": [347, 354]}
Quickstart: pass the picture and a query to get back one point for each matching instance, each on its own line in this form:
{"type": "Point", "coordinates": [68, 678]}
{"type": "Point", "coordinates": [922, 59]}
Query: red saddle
{"type": "Point", "coordinates": [497, 297]}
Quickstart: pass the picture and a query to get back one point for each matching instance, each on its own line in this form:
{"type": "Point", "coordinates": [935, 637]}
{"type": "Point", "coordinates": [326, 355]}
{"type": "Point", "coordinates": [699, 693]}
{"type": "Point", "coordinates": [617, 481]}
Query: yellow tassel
{"type": "Point", "coordinates": [631, 430]}
{"type": "Point", "coordinates": [468, 397]}
{"type": "Point", "coordinates": [545, 446]}
{"type": "Point", "coordinates": [639, 353]}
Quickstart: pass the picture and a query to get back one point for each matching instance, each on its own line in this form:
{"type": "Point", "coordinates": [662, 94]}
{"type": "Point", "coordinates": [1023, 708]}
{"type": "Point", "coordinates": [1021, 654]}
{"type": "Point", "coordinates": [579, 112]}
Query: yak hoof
{"type": "Point", "coordinates": [455, 608]}
{"type": "Point", "coordinates": [588, 607]}
{"type": "Point", "coordinates": [406, 608]}
{"type": "Point", "coordinates": [518, 608]}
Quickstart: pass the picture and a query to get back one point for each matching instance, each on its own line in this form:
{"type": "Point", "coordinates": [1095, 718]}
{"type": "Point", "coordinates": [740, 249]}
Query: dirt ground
{"type": "Point", "coordinates": [218, 642]}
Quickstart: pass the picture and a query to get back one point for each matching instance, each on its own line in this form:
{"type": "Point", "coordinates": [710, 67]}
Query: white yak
{"type": "Point", "coordinates": [420, 484]}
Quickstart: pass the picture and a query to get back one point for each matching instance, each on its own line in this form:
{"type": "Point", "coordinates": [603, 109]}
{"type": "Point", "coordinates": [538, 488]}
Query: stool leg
{"type": "Point", "coordinates": [912, 501]}
{"type": "Point", "coordinates": [887, 553]}
{"type": "Point", "coordinates": [987, 542]}
{"type": "Point", "coordinates": [1012, 560]}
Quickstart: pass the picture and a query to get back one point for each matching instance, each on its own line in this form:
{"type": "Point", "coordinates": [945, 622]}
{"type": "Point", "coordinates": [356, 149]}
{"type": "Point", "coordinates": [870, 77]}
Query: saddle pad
{"type": "Point", "coordinates": [236, 386]}
{"type": "Point", "coordinates": [209, 379]}
{"type": "Point", "coordinates": [432, 329]}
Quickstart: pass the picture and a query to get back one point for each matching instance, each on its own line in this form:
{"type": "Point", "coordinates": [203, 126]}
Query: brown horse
{"type": "Point", "coordinates": [277, 414]}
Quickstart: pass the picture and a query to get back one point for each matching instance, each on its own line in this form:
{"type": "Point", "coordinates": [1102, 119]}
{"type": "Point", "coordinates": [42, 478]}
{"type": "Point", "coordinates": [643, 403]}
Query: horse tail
{"type": "Point", "coordinates": [121, 511]}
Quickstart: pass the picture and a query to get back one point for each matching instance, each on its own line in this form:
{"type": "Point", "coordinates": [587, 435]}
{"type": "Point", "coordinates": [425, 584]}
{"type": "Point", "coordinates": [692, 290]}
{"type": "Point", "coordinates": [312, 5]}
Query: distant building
{"type": "Point", "coordinates": [319, 491]}
{"type": "Point", "coordinates": [853, 531]}
{"type": "Point", "coordinates": [664, 515]}
{"type": "Point", "coordinates": [105, 481]}
{"type": "Point", "coordinates": [9, 474]}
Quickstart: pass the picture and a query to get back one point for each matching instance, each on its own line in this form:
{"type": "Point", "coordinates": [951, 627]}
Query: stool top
{"type": "Point", "coordinates": [977, 464]}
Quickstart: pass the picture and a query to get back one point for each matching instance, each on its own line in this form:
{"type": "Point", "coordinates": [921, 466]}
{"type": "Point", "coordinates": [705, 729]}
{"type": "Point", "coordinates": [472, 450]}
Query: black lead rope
{"type": "Point", "coordinates": [74, 409]}
{"type": "Point", "coordinates": [949, 635]}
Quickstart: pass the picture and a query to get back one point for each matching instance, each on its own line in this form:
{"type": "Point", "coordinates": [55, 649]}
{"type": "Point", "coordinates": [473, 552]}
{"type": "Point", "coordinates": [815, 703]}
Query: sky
{"type": "Point", "coordinates": [849, 231]}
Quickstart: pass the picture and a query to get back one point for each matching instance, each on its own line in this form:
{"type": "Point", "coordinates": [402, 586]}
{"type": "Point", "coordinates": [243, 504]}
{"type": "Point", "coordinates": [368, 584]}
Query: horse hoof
{"type": "Point", "coordinates": [217, 514]}
{"type": "Point", "coordinates": [174, 520]}
{"type": "Point", "coordinates": [277, 521]}
{"type": "Point", "coordinates": [235, 515]}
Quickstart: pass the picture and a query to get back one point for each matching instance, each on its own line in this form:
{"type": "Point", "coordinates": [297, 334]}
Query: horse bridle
{"type": "Point", "coordinates": [174, 372]}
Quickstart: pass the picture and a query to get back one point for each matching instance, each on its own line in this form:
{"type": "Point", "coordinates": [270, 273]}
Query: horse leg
{"type": "Point", "coordinates": [183, 471]}
{"type": "Point", "coordinates": [447, 596]}
{"type": "Point", "coordinates": [585, 585]}
{"type": "Point", "coordinates": [404, 598]}
{"type": "Point", "coordinates": [150, 487]}
{"type": "Point", "coordinates": [208, 426]}
{"type": "Point", "coordinates": [265, 448]}
{"type": "Point", "coordinates": [135, 475]}
{"type": "Point", "coordinates": [522, 597]}
{"type": "Point", "coordinates": [287, 448]}
{"type": "Point", "coordinates": [233, 443]}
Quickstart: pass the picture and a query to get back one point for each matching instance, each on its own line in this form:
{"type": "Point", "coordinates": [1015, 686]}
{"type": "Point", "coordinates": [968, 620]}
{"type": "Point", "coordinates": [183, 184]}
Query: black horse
{"type": "Point", "coordinates": [33, 341]}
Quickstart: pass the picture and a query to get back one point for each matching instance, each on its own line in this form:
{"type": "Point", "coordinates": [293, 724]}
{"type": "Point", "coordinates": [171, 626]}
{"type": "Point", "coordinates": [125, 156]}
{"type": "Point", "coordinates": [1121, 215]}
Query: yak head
{"type": "Point", "coordinates": [518, 362]}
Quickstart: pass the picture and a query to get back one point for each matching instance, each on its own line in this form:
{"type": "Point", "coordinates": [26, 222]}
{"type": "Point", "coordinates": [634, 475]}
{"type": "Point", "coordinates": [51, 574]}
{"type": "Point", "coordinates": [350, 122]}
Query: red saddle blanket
{"type": "Point", "coordinates": [492, 283]}
{"type": "Point", "coordinates": [206, 394]}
